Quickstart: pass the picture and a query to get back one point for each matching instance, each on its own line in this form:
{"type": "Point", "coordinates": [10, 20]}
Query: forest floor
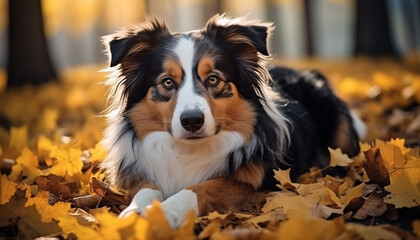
{"type": "Point", "coordinates": [51, 185]}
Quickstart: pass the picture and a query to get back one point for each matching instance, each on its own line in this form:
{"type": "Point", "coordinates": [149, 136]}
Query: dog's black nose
{"type": "Point", "coordinates": [192, 120]}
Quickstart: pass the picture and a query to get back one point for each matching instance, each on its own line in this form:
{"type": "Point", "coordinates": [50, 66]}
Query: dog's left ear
{"type": "Point", "coordinates": [239, 31]}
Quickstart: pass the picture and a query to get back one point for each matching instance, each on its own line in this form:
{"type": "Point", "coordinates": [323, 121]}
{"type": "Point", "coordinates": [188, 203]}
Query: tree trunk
{"type": "Point", "coordinates": [28, 59]}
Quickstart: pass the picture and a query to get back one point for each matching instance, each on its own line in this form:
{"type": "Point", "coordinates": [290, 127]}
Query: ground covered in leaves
{"type": "Point", "coordinates": [50, 184]}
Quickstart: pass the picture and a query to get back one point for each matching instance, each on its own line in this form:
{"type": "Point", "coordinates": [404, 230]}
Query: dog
{"type": "Point", "coordinates": [198, 121]}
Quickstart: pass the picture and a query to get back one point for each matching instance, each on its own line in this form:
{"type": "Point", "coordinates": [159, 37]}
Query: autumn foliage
{"type": "Point", "coordinates": [51, 184]}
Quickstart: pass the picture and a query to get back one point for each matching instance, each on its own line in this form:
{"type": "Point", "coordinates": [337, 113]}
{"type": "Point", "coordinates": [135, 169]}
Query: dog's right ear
{"type": "Point", "coordinates": [134, 40]}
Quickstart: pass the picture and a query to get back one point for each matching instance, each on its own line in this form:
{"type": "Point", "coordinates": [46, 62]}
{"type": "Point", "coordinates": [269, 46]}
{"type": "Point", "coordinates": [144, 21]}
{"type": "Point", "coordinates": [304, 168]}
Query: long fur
{"type": "Point", "coordinates": [296, 114]}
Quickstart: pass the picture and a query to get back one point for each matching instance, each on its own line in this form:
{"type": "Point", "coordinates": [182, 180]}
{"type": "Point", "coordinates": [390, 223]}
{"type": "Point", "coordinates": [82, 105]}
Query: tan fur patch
{"type": "Point", "coordinates": [252, 174]}
{"type": "Point", "coordinates": [223, 195]}
{"type": "Point", "coordinates": [205, 67]}
{"type": "Point", "coordinates": [148, 115]}
{"type": "Point", "coordinates": [172, 69]}
{"type": "Point", "coordinates": [234, 113]}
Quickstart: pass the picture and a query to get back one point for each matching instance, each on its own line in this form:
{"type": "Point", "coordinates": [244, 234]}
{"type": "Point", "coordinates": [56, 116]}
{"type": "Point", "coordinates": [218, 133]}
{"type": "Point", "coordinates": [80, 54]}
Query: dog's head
{"type": "Point", "coordinates": [192, 85]}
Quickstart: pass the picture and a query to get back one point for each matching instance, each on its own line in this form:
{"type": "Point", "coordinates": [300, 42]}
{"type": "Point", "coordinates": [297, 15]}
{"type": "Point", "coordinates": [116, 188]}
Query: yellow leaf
{"type": "Point", "coordinates": [68, 161]}
{"type": "Point", "coordinates": [48, 212]}
{"type": "Point", "coordinates": [333, 197]}
{"type": "Point", "coordinates": [303, 225]}
{"type": "Point", "coordinates": [98, 153]}
{"type": "Point", "coordinates": [7, 189]}
{"type": "Point", "coordinates": [208, 231]}
{"type": "Point", "coordinates": [159, 226]}
{"type": "Point", "coordinates": [26, 166]}
{"type": "Point", "coordinates": [352, 193]}
{"type": "Point", "coordinates": [392, 154]}
{"type": "Point", "coordinates": [338, 158]}
{"type": "Point", "coordinates": [69, 224]}
{"type": "Point", "coordinates": [404, 188]}
{"type": "Point", "coordinates": [18, 137]}
{"type": "Point", "coordinates": [48, 119]}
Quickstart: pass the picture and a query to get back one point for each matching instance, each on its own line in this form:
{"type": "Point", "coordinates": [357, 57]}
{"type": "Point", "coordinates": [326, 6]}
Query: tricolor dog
{"type": "Point", "coordinates": [198, 122]}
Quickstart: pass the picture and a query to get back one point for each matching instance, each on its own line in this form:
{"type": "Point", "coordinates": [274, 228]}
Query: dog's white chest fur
{"type": "Point", "coordinates": [174, 165]}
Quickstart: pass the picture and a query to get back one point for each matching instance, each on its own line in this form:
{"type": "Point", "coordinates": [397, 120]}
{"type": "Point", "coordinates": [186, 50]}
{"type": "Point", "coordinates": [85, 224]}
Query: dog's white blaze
{"type": "Point", "coordinates": [188, 99]}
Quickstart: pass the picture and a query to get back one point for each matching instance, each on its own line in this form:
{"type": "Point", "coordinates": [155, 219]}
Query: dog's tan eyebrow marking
{"type": "Point", "coordinates": [205, 66]}
{"type": "Point", "coordinates": [173, 69]}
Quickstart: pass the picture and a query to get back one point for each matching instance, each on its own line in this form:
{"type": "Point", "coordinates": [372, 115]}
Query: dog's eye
{"type": "Point", "coordinates": [213, 81]}
{"type": "Point", "coordinates": [168, 83]}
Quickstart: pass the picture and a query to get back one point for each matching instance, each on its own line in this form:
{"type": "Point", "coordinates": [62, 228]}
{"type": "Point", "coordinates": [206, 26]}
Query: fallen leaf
{"type": "Point", "coordinates": [7, 189]}
{"type": "Point", "coordinates": [26, 167]}
{"type": "Point", "coordinates": [338, 158]}
{"type": "Point", "coordinates": [68, 161]}
{"type": "Point", "coordinates": [352, 193]}
{"type": "Point", "coordinates": [27, 219]}
{"type": "Point", "coordinates": [375, 167]}
{"type": "Point", "coordinates": [374, 206]}
{"type": "Point", "coordinates": [47, 212]}
{"type": "Point", "coordinates": [51, 184]}
{"type": "Point", "coordinates": [301, 220]}
{"type": "Point", "coordinates": [404, 188]}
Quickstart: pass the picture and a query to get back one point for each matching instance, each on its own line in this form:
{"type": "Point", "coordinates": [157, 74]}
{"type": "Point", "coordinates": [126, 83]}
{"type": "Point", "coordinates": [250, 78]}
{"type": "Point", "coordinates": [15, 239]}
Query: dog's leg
{"type": "Point", "coordinates": [142, 196]}
{"type": "Point", "coordinates": [221, 195]}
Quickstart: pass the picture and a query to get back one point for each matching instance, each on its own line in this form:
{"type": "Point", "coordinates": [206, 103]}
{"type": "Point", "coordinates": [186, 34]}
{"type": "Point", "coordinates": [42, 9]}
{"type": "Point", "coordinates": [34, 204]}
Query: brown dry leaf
{"type": "Point", "coordinates": [374, 206]}
{"type": "Point", "coordinates": [108, 194]}
{"type": "Point", "coordinates": [88, 201]}
{"type": "Point", "coordinates": [50, 183]}
{"type": "Point", "coordinates": [375, 167]}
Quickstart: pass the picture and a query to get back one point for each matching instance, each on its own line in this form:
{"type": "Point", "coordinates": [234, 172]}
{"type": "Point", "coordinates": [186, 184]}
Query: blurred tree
{"type": "Point", "coordinates": [28, 59]}
{"type": "Point", "coordinates": [373, 35]}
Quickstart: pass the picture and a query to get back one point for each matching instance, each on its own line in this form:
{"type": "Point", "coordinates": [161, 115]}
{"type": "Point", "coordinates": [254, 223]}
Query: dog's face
{"type": "Point", "coordinates": [192, 85]}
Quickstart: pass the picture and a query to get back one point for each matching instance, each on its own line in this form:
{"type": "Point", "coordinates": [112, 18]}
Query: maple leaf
{"type": "Point", "coordinates": [47, 212]}
{"type": "Point", "coordinates": [26, 166]}
{"type": "Point", "coordinates": [352, 193]}
{"type": "Point", "coordinates": [18, 137]}
{"type": "Point", "coordinates": [373, 206]}
{"type": "Point", "coordinates": [27, 219]}
{"type": "Point", "coordinates": [98, 153]}
{"type": "Point", "coordinates": [404, 188]}
{"type": "Point", "coordinates": [7, 189]}
{"type": "Point", "coordinates": [338, 158]}
{"type": "Point", "coordinates": [68, 161]}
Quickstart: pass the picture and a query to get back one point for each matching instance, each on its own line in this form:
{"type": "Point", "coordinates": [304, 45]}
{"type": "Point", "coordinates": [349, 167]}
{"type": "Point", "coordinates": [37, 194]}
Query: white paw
{"type": "Point", "coordinates": [178, 205]}
{"type": "Point", "coordinates": [141, 200]}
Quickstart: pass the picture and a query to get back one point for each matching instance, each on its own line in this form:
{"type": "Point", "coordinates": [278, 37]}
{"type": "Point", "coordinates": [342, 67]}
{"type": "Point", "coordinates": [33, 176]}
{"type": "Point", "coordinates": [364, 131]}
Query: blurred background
{"type": "Point", "coordinates": [40, 38]}
{"type": "Point", "coordinates": [368, 49]}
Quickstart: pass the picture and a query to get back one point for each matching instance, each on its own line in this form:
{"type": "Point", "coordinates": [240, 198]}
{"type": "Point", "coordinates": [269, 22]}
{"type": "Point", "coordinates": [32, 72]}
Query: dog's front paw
{"type": "Point", "coordinates": [141, 200]}
{"type": "Point", "coordinates": [177, 206]}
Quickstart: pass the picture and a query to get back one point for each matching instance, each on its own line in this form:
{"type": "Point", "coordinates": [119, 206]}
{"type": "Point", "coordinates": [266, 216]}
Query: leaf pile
{"type": "Point", "coordinates": [51, 185]}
